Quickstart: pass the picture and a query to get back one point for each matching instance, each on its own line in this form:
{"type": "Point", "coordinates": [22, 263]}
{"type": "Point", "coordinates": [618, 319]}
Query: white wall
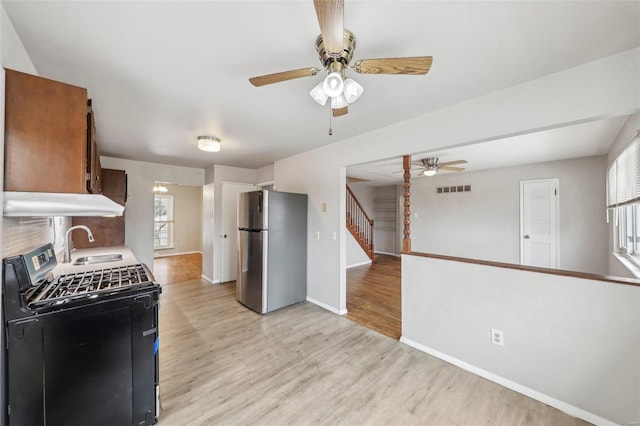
{"type": "Point", "coordinates": [208, 201]}
{"type": "Point", "coordinates": [215, 176]}
{"type": "Point", "coordinates": [485, 223]}
{"type": "Point", "coordinates": [569, 342]}
{"type": "Point", "coordinates": [602, 88]}
{"type": "Point", "coordinates": [141, 177]}
{"type": "Point", "coordinates": [385, 240]}
{"type": "Point", "coordinates": [264, 174]}
{"type": "Point", "coordinates": [187, 219]}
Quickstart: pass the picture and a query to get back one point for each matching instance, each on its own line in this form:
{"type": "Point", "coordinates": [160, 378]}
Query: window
{"type": "Point", "coordinates": [623, 199]}
{"type": "Point", "coordinates": [627, 226]}
{"type": "Point", "coordinates": [163, 222]}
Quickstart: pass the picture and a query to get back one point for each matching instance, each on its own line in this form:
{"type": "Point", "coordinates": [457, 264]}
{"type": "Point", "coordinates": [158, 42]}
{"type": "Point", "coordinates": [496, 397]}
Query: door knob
{"type": "Point", "coordinates": [526, 236]}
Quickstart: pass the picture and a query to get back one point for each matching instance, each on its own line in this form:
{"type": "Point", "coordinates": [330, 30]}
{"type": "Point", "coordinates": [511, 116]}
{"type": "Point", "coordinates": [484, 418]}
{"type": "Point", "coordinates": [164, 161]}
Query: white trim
{"type": "Point", "coordinates": [209, 280]}
{"type": "Point", "coordinates": [368, 262]}
{"type": "Point", "coordinates": [327, 307]}
{"type": "Point", "coordinates": [388, 254]}
{"type": "Point", "coordinates": [267, 183]}
{"type": "Point", "coordinates": [531, 393]}
{"type": "Point", "coordinates": [155, 256]}
{"type": "Point", "coordinates": [628, 262]}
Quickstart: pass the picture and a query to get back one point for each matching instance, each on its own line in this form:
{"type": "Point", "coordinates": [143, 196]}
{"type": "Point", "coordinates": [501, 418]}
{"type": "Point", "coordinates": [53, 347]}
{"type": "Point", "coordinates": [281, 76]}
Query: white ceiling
{"type": "Point", "coordinates": [161, 73]}
{"type": "Point", "coordinates": [580, 140]}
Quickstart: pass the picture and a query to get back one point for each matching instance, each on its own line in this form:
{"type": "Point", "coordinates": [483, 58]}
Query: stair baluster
{"type": "Point", "coordinates": [360, 224]}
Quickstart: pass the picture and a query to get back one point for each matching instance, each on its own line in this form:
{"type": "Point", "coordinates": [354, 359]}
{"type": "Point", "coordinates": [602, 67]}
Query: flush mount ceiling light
{"type": "Point", "coordinates": [208, 143]}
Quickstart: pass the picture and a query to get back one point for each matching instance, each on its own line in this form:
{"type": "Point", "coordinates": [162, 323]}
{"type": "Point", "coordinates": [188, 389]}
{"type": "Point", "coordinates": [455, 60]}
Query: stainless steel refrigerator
{"type": "Point", "coordinates": [272, 250]}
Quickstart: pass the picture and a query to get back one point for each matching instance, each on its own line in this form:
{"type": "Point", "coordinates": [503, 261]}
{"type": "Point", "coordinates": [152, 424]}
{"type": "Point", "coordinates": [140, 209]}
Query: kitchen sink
{"type": "Point", "coordinates": [88, 260]}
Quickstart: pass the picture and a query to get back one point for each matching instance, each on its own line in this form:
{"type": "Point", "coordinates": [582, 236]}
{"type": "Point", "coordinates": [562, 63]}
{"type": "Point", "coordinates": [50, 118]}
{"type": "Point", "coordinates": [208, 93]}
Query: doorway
{"type": "Point", "coordinates": [229, 234]}
{"type": "Point", "coordinates": [177, 232]}
{"type": "Point", "coordinates": [539, 225]}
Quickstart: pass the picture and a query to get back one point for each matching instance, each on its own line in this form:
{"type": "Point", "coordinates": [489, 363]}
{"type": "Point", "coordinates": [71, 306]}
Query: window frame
{"type": "Point", "coordinates": [627, 243]}
{"type": "Point", "coordinates": [169, 222]}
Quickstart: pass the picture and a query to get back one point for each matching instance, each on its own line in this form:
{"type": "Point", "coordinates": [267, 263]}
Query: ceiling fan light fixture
{"type": "Point", "coordinates": [429, 172]}
{"type": "Point", "coordinates": [208, 143]}
{"type": "Point", "coordinates": [333, 85]}
{"type": "Point", "coordinates": [339, 102]}
{"type": "Point", "coordinates": [318, 95]}
{"type": "Point", "coordinates": [352, 90]}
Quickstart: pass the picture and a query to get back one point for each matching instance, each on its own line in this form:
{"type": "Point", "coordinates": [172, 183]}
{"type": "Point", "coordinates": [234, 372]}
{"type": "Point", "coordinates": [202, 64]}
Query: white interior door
{"type": "Point", "coordinates": [539, 223]}
{"type": "Point", "coordinates": [229, 234]}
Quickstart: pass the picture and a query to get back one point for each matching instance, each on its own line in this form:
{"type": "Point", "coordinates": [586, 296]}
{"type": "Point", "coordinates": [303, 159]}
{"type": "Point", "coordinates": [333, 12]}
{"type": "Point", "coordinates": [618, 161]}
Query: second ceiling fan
{"type": "Point", "coordinates": [431, 165]}
{"type": "Point", "coordinates": [335, 46]}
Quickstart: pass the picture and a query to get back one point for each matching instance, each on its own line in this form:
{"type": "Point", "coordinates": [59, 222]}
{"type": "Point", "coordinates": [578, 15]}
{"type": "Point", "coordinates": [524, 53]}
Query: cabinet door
{"type": "Point", "coordinates": [107, 231]}
{"type": "Point", "coordinates": [45, 135]}
{"type": "Point", "coordinates": [94, 169]}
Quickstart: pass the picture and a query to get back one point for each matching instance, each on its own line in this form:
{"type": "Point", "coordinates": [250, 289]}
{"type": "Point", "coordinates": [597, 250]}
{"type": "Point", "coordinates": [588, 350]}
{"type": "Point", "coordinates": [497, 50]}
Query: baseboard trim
{"type": "Point", "coordinates": [359, 264]}
{"type": "Point", "coordinates": [388, 254]}
{"type": "Point", "coordinates": [209, 280]}
{"type": "Point", "coordinates": [155, 256]}
{"type": "Point", "coordinates": [327, 307]}
{"type": "Point", "coordinates": [531, 393]}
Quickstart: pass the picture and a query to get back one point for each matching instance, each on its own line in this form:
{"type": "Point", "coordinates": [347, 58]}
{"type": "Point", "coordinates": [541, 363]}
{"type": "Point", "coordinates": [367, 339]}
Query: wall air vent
{"type": "Point", "coordinates": [455, 188]}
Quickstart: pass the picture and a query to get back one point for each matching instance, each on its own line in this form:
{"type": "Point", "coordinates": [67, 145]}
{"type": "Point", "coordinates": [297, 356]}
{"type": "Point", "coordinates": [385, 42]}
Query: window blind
{"type": "Point", "coordinates": [623, 178]}
{"type": "Point", "coordinates": [611, 185]}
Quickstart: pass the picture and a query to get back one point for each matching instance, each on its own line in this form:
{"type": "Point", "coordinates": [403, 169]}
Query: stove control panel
{"type": "Point", "coordinates": [40, 262]}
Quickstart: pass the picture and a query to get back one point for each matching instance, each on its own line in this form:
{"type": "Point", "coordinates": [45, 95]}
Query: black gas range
{"type": "Point", "coordinates": [80, 348]}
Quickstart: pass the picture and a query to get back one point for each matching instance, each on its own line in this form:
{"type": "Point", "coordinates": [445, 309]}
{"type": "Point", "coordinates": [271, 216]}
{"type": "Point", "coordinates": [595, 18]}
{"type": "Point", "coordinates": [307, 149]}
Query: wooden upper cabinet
{"type": "Point", "coordinates": [107, 231]}
{"type": "Point", "coordinates": [94, 169]}
{"type": "Point", "coordinates": [46, 136]}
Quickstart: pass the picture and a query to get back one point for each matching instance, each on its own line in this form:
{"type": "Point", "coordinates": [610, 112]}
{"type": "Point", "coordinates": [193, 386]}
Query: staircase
{"type": "Point", "coordinates": [359, 224]}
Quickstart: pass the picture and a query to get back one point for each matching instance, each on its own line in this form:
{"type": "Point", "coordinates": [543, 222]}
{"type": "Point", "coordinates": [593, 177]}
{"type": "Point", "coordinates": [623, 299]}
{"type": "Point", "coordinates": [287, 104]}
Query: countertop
{"type": "Point", "coordinates": [67, 268]}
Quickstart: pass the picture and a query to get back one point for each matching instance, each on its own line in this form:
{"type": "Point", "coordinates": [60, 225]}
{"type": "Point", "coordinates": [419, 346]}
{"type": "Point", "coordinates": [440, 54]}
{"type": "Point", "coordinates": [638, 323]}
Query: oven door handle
{"type": "Point", "coordinates": [145, 299]}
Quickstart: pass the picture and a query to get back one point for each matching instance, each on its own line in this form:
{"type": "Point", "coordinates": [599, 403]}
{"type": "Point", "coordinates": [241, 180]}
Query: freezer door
{"type": "Point", "coordinates": [251, 279]}
{"type": "Point", "coordinates": [252, 210]}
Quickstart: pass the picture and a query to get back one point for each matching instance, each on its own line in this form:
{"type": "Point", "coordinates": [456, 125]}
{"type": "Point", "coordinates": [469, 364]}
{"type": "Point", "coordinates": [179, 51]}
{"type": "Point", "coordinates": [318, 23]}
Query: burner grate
{"type": "Point", "coordinates": [90, 284]}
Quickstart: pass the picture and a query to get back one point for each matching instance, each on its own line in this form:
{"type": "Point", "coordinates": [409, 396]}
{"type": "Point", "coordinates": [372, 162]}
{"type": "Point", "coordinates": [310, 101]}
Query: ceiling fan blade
{"type": "Point", "coordinates": [451, 163]}
{"type": "Point", "coordinates": [340, 111]}
{"type": "Point", "coordinates": [413, 170]}
{"type": "Point", "coordinates": [351, 179]}
{"type": "Point", "coordinates": [451, 169]}
{"type": "Point", "coordinates": [331, 19]}
{"type": "Point", "coordinates": [282, 76]}
{"type": "Point", "coordinates": [415, 65]}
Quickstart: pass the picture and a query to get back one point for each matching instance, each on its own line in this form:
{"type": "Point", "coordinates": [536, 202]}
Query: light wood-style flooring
{"type": "Point", "coordinates": [222, 364]}
{"type": "Point", "coordinates": [373, 295]}
{"type": "Point", "coordinates": [178, 268]}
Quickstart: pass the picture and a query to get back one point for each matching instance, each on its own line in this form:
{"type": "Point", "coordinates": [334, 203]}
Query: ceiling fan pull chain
{"type": "Point", "coordinates": [330, 114]}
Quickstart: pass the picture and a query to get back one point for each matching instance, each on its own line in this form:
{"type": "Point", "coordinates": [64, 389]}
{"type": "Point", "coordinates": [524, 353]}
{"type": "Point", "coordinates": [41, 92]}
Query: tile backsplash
{"type": "Point", "coordinates": [21, 234]}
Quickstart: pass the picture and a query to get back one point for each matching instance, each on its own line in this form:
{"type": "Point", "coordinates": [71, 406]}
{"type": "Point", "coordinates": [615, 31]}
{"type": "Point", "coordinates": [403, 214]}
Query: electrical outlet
{"type": "Point", "coordinates": [497, 337]}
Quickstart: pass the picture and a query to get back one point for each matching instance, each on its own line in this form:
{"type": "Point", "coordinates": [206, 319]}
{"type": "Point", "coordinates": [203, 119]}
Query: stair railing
{"type": "Point", "coordinates": [359, 224]}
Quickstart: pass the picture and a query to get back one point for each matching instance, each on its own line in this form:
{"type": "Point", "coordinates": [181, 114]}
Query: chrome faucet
{"type": "Point", "coordinates": [67, 246]}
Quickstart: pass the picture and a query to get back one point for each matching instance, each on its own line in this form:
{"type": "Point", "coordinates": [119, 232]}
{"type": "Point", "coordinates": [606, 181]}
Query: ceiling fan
{"type": "Point", "coordinates": [431, 165]}
{"type": "Point", "coordinates": [335, 46]}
